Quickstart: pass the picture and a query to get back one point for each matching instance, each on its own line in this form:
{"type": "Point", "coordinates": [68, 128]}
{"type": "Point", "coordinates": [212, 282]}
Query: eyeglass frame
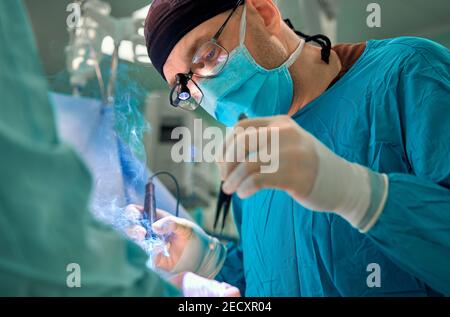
{"type": "Point", "coordinates": [182, 79]}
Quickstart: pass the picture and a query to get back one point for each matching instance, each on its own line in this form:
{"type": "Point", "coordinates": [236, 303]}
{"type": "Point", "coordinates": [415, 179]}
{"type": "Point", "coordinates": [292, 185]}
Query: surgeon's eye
{"type": "Point", "coordinates": [211, 55]}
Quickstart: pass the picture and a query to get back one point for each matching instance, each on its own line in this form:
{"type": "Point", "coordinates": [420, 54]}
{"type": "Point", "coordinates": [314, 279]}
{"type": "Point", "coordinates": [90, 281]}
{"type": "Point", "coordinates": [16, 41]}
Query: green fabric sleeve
{"type": "Point", "coordinates": [45, 224]}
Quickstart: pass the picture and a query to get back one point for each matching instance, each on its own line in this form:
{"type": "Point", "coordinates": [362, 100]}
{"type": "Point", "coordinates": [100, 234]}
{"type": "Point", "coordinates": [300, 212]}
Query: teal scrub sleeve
{"type": "Point", "coordinates": [414, 227]}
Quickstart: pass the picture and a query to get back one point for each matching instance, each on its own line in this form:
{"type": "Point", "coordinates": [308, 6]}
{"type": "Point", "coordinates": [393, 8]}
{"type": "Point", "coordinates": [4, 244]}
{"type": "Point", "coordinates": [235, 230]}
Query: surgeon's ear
{"type": "Point", "coordinates": [268, 12]}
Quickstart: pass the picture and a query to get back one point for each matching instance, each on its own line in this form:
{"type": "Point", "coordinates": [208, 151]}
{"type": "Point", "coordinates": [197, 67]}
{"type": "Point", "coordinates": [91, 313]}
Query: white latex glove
{"type": "Point", "coordinates": [193, 285]}
{"type": "Point", "coordinates": [190, 249]}
{"type": "Point", "coordinates": [312, 174]}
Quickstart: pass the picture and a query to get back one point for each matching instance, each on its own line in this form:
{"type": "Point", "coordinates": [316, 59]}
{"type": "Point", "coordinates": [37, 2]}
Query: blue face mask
{"type": "Point", "coordinates": [244, 87]}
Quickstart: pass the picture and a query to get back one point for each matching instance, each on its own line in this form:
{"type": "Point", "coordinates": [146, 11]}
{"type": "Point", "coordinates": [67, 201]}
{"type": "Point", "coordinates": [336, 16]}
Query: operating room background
{"type": "Point", "coordinates": [342, 20]}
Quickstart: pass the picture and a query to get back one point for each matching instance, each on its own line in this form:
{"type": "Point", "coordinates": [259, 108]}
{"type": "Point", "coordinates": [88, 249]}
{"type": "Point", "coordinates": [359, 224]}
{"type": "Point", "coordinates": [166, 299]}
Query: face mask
{"type": "Point", "coordinates": [244, 87]}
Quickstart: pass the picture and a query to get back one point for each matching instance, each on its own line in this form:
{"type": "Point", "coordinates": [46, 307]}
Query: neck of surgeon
{"type": "Point", "coordinates": [310, 74]}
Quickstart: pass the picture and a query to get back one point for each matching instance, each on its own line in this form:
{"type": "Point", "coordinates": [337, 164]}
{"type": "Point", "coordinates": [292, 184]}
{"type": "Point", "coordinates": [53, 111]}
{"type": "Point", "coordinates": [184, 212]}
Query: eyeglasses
{"type": "Point", "coordinates": [208, 61]}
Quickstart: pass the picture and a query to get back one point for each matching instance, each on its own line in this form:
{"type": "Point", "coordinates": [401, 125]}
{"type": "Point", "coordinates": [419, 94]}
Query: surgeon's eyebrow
{"type": "Point", "coordinates": [187, 58]}
{"type": "Point", "coordinates": [196, 45]}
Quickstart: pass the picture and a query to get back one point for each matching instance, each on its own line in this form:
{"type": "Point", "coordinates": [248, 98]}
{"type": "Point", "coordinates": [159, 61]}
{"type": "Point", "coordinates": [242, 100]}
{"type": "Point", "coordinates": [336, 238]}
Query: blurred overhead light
{"type": "Point", "coordinates": [126, 51]}
{"type": "Point", "coordinates": [141, 13]}
{"type": "Point", "coordinates": [108, 45]}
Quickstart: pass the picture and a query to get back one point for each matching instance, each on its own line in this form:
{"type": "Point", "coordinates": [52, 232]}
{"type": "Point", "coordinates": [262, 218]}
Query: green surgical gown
{"type": "Point", "coordinates": [45, 224]}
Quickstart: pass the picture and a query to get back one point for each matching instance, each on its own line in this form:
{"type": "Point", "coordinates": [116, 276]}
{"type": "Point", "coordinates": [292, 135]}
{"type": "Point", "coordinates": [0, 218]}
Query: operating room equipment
{"type": "Point", "coordinates": [84, 52]}
{"type": "Point", "coordinates": [183, 97]}
{"type": "Point", "coordinates": [223, 207]}
{"type": "Point", "coordinates": [149, 207]}
{"type": "Point", "coordinates": [150, 202]}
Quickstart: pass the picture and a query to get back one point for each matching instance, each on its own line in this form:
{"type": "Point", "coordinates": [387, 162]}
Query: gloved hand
{"type": "Point", "coordinates": [193, 285]}
{"type": "Point", "coordinates": [313, 175]}
{"type": "Point", "coordinates": [190, 249]}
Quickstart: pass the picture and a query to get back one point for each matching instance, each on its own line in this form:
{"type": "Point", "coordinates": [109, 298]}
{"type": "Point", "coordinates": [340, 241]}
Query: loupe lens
{"type": "Point", "coordinates": [184, 96]}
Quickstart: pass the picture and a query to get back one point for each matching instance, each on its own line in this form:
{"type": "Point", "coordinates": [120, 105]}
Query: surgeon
{"type": "Point", "coordinates": [360, 205]}
{"type": "Point", "coordinates": [50, 244]}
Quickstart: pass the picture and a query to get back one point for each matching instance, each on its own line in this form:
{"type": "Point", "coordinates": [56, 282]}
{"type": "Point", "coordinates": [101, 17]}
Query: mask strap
{"type": "Point", "coordinates": [320, 39]}
{"type": "Point", "coordinates": [296, 53]}
{"type": "Point", "coordinates": [243, 26]}
{"type": "Point", "coordinates": [243, 30]}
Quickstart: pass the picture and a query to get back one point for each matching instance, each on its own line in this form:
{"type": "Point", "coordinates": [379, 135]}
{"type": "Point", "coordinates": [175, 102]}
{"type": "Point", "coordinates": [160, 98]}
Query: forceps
{"type": "Point", "coordinates": [224, 200]}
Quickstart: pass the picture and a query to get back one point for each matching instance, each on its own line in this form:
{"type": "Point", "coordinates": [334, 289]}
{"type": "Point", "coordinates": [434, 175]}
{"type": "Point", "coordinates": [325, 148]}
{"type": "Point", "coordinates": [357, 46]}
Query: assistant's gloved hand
{"type": "Point", "coordinates": [190, 249]}
{"type": "Point", "coordinates": [312, 174]}
{"type": "Point", "coordinates": [193, 285]}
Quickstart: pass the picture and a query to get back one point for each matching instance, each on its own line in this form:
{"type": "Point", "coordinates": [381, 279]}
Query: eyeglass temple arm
{"type": "Point", "coordinates": [217, 35]}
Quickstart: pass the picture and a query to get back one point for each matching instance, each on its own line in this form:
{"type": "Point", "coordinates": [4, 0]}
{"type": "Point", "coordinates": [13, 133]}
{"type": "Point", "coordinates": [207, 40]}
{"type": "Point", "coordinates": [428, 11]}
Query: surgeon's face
{"type": "Point", "coordinates": [263, 38]}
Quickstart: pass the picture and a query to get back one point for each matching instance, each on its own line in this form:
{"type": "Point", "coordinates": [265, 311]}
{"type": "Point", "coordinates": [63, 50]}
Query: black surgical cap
{"type": "Point", "coordinates": [169, 20]}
